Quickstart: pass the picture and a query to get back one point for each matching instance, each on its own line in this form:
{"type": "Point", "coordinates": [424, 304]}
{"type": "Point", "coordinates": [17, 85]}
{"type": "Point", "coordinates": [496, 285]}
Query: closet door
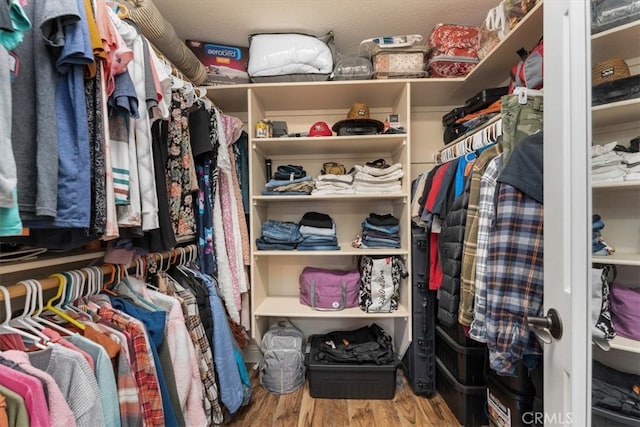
{"type": "Point", "coordinates": [567, 206]}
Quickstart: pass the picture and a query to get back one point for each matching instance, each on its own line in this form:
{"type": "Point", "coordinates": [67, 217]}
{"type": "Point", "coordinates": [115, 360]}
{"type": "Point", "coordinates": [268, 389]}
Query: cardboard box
{"type": "Point", "coordinates": [224, 64]}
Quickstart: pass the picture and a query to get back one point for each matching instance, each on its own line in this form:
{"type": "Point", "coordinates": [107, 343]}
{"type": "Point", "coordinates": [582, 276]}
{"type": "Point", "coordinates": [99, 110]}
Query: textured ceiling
{"type": "Point", "coordinates": [232, 21]}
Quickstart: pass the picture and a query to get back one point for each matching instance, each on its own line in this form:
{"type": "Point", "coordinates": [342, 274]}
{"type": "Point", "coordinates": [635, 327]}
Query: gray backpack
{"type": "Point", "coordinates": [282, 360]}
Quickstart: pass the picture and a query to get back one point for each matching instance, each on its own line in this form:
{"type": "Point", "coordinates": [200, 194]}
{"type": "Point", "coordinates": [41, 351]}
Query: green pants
{"type": "Point", "coordinates": [519, 120]}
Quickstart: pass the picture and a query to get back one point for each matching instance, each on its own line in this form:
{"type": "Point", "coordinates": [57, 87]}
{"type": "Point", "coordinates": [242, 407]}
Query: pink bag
{"type": "Point", "coordinates": [324, 289]}
{"type": "Point", "coordinates": [625, 315]}
{"type": "Point", "coordinates": [453, 50]}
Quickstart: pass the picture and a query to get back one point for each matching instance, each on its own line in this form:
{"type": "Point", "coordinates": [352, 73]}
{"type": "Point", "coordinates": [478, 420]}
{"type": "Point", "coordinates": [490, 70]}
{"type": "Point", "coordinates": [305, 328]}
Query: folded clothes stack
{"type": "Point", "coordinates": [318, 232]}
{"type": "Point", "coordinates": [289, 180]}
{"type": "Point", "coordinates": [380, 231]}
{"type": "Point", "coordinates": [279, 235]}
{"type": "Point", "coordinates": [614, 163]}
{"type": "Point", "coordinates": [598, 245]}
{"type": "Point", "coordinates": [378, 177]}
{"type": "Point", "coordinates": [333, 179]}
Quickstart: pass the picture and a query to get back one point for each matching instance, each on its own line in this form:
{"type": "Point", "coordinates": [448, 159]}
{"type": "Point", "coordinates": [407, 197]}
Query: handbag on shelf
{"type": "Point", "coordinates": [331, 290]}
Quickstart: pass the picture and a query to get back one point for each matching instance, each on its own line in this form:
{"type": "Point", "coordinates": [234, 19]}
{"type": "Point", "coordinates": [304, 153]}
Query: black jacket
{"type": "Point", "coordinates": [450, 254]}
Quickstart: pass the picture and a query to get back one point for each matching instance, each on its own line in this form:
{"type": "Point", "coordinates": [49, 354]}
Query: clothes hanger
{"type": "Point", "coordinates": [105, 285]}
{"type": "Point", "coordinates": [39, 309]}
{"type": "Point", "coordinates": [135, 295]}
{"type": "Point", "coordinates": [6, 327]}
{"type": "Point", "coordinates": [22, 321]}
{"type": "Point", "coordinates": [57, 309]}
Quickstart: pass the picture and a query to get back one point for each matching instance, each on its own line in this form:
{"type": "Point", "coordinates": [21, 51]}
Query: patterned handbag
{"type": "Point", "coordinates": [380, 279]}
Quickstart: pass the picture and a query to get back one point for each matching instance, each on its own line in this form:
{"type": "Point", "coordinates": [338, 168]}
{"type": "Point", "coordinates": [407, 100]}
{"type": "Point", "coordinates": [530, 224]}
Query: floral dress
{"type": "Point", "coordinates": [181, 175]}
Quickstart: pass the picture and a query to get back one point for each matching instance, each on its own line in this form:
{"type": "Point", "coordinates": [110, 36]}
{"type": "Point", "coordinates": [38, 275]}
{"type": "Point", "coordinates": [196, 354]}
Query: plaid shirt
{"type": "Point", "coordinates": [143, 365]}
{"type": "Point", "coordinates": [468, 271]}
{"type": "Point", "coordinates": [515, 273]}
{"type": "Point", "coordinates": [129, 399]}
{"type": "Point", "coordinates": [203, 350]}
{"type": "Point", "coordinates": [128, 394]}
{"type": "Point", "coordinates": [486, 214]}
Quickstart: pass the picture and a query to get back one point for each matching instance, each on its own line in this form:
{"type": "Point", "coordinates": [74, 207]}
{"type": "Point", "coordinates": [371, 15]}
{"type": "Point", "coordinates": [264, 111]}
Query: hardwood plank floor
{"type": "Point", "coordinates": [301, 410]}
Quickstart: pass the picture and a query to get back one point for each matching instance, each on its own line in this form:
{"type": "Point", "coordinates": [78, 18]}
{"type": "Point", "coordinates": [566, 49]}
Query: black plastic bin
{"type": "Point", "coordinates": [347, 380]}
{"type": "Point", "coordinates": [466, 364]}
{"type": "Point", "coordinates": [457, 333]}
{"type": "Point", "coordinates": [521, 383]}
{"type": "Point", "coordinates": [468, 403]}
{"type": "Point", "coordinates": [508, 409]}
{"type": "Point", "coordinates": [601, 417]}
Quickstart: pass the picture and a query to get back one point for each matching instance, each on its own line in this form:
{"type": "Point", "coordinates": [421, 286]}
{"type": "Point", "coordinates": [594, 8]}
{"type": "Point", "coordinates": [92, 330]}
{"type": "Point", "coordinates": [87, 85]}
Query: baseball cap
{"type": "Point", "coordinates": [320, 129]}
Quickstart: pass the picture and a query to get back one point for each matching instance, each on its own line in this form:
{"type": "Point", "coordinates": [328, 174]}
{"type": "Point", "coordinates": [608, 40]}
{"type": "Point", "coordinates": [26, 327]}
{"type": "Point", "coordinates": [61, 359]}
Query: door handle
{"type": "Point", "coordinates": [546, 328]}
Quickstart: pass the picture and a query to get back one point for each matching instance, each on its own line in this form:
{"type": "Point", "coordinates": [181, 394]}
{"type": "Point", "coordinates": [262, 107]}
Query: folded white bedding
{"type": "Point", "coordinates": [279, 54]}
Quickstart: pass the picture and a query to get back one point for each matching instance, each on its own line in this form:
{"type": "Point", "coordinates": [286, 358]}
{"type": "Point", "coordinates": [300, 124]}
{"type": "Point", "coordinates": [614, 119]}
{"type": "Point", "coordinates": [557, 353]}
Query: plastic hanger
{"type": "Point", "coordinates": [23, 321]}
{"type": "Point", "coordinates": [58, 308]}
{"type": "Point", "coordinates": [112, 280]}
{"type": "Point", "coordinates": [39, 309]}
{"type": "Point", "coordinates": [6, 327]}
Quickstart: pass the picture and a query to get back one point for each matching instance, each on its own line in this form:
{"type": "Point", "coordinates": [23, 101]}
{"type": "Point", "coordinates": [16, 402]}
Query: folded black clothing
{"type": "Point", "coordinates": [387, 219]}
{"type": "Point", "coordinates": [285, 172]}
{"type": "Point", "coordinates": [316, 219]}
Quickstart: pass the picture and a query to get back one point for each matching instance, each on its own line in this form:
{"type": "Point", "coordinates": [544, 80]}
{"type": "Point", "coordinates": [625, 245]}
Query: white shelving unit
{"type": "Point", "coordinates": [420, 104]}
{"type": "Point", "coordinates": [618, 203]}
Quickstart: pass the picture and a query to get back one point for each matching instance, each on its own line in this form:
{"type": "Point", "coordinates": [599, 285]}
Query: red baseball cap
{"type": "Point", "coordinates": [320, 129]}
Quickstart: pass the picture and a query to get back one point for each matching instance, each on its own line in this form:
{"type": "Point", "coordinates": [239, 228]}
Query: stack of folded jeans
{"type": "Point", "coordinates": [289, 180]}
{"type": "Point", "coordinates": [378, 177]}
{"type": "Point", "coordinates": [380, 231]}
{"type": "Point", "coordinates": [598, 245]}
{"type": "Point", "coordinates": [318, 232]}
{"type": "Point", "coordinates": [279, 235]}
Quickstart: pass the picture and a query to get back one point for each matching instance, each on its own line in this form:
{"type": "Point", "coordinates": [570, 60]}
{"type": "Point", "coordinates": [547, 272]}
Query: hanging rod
{"type": "Point", "coordinates": [49, 283]}
{"type": "Point", "coordinates": [486, 134]}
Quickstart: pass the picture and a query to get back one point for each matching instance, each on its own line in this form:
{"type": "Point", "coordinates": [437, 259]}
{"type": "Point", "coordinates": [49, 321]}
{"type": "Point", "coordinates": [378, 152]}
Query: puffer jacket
{"type": "Point", "coordinates": [450, 252]}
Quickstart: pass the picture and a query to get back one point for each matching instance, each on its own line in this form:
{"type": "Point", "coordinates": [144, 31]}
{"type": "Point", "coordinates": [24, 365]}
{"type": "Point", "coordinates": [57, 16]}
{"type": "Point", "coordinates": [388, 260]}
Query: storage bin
{"type": "Point", "coordinates": [507, 409]}
{"type": "Point", "coordinates": [457, 333]}
{"type": "Point", "coordinates": [399, 63]}
{"type": "Point", "coordinates": [466, 364]}
{"type": "Point", "coordinates": [521, 383]}
{"type": "Point", "coordinates": [601, 417]}
{"type": "Point", "coordinates": [348, 381]}
{"type": "Point", "coordinates": [468, 403]}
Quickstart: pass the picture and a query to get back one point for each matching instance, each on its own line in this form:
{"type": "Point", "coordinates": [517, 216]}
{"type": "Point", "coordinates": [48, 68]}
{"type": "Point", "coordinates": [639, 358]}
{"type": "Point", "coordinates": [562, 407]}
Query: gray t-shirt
{"type": "Point", "coordinates": [7, 162]}
{"type": "Point", "coordinates": [34, 132]}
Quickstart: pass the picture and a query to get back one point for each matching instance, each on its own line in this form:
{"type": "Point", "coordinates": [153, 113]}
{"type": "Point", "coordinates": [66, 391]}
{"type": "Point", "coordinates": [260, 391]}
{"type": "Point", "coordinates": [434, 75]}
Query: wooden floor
{"type": "Point", "coordinates": [300, 409]}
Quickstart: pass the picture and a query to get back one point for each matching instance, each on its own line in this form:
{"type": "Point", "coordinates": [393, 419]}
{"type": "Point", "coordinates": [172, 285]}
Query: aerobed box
{"type": "Point", "coordinates": [225, 64]}
{"type": "Point", "coordinates": [346, 380]}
